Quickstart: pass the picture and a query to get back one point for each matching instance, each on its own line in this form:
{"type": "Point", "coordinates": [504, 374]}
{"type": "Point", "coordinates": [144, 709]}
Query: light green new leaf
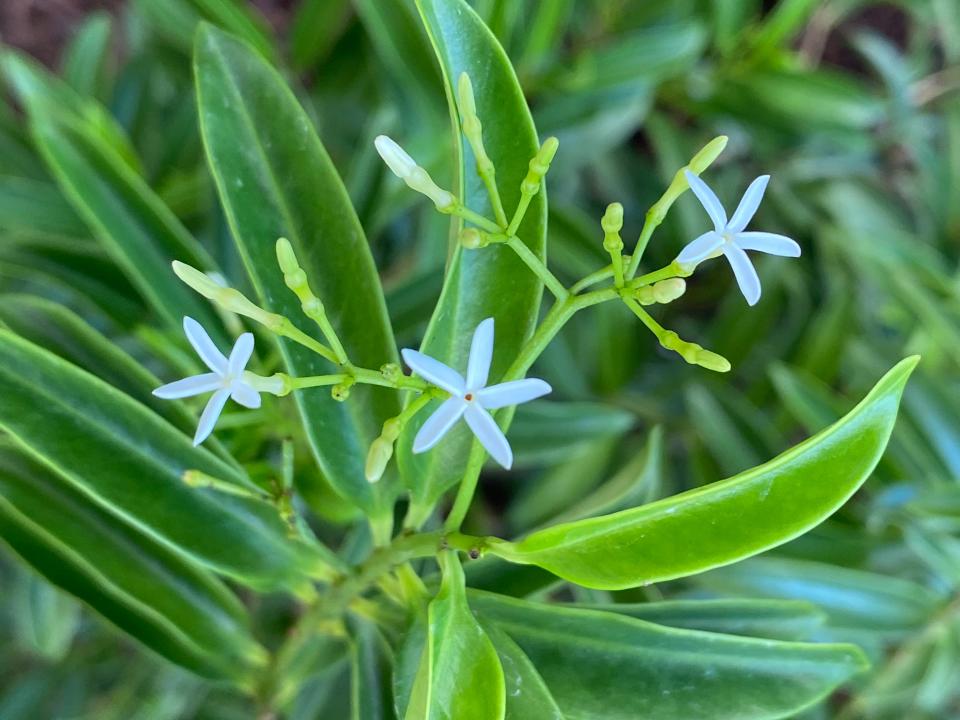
{"type": "Point", "coordinates": [459, 676]}
{"type": "Point", "coordinates": [491, 282]}
{"type": "Point", "coordinates": [726, 521]}
{"type": "Point", "coordinates": [173, 607]}
{"type": "Point", "coordinates": [127, 458]}
{"type": "Point", "coordinates": [276, 180]}
{"type": "Point", "coordinates": [601, 665]}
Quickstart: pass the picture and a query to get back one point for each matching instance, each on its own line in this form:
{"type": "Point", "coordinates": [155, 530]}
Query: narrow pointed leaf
{"type": "Point", "coordinates": [276, 180]}
{"type": "Point", "coordinates": [97, 172]}
{"type": "Point", "coordinates": [491, 282]}
{"type": "Point", "coordinates": [127, 458]}
{"type": "Point", "coordinates": [729, 520]}
{"type": "Point", "coordinates": [173, 607]}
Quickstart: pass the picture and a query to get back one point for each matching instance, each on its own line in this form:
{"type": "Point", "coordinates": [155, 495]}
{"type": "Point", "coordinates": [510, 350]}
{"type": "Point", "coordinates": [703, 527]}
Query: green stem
{"type": "Point", "coordinates": [487, 174]}
{"type": "Point", "coordinates": [651, 221]}
{"type": "Point", "coordinates": [592, 279]}
{"type": "Point", "coordinates": [538, 267]}
{"type": "Point", "coordinates": [559, 315]}
{"type": "Point", "coordinates": [285, 328]}
{"type": "Point", "coordinates": [645, 317]}
{"type": "Point", "coordinates": [672, 270]}
{"type": "Point", "coordinates": [299, 383]}
{"type": "Point", "coordinates": [476, 218]}
{"type": "Point", "coordinates": [522, 207]}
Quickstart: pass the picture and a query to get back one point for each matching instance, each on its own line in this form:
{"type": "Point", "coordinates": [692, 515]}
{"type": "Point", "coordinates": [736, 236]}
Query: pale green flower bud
{"type": "Point", "coordinates": [669, 290]}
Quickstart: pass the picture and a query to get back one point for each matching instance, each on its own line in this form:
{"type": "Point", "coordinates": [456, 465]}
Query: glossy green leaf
{"type": "Point", "coordinates": [598, 664]}
{"type": "Point", "coordinates": [62, 332]}
{"type": "Point", "coordinates": [170, 605]}
{"type": "Point", "coordinates": [479, 284]}
{"type": "Point", "coordinates": [528, 697]}
{"type": "Point", "coordinates": [728, 520]}
{"type": "Point", "coordinates": [778, 619]}
{"type": "Point", "coordinates": [459, 675]}
{"type": "Point", "coordinates": [127, 458]}
{"type": "Point", "coordinates": [276, 180]}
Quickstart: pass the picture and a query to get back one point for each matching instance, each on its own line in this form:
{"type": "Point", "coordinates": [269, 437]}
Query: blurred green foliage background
{"type": "Point", "coordinates": [852, 106]}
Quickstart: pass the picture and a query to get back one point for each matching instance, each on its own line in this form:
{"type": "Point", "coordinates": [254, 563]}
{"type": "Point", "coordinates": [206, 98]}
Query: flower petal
{"type": "Point", "coordinates": [188, 387]}
{"type": "Point", "coordinates": [745, 273]}
{"type": "Point", "coordinates": [246, 395]}
{"type": "Point", "coordinates": [204, 346]}
{"type": "Point", "coordinates": [748, 204]}
{"type": "Point", "coordinates": [437, 425]}
{"type": "Point", "coordinates": [210, 415]}
{"type": "Point", "coordinates": [512, 393]}
{"type": "Point", "coordinates": [707, 198]}
{"type": "Point", "coordinates": [769, 243]}
{"type": "Point", "coordinates": [434, 371]}
{"type": "Point", "coordinates": [240, 355]}
{"type": "Point", "coordinates": [700, 248]}
{"type": "Point", "coordinates": [489, 434]}
{"type": "Point", "coordinates": [481, 353]}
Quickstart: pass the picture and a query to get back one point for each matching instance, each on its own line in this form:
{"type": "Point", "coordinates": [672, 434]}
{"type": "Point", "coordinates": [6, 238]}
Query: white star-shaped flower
{"type": "Point", "coordinates": [470, 397]}
{"type": "Point", "coordinates": [228, 378]}
{"type": "Point", "coordinates": [728, 236]}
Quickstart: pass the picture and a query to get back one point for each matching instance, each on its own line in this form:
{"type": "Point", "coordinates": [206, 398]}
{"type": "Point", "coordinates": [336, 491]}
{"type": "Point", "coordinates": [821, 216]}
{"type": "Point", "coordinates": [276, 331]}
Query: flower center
{"type": "Point", "coordinates": [468, 397]}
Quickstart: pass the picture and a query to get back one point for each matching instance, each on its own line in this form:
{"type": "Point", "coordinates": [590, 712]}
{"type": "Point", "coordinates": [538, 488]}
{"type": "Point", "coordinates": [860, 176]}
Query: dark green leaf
{"type": "Point", "coordinates": [127, 458]}
{"type": "Point", "coordinates": [597, 664]}
{"type": "Point", "coordinates": [276, 180]}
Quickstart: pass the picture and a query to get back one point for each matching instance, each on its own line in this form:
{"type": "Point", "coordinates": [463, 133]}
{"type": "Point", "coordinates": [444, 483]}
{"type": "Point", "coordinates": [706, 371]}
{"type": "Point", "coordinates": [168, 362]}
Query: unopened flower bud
{"type": "Point", "coordinates": [377, 459]}
{"type": "Point", "coordinates": [538, 166]}
{"type": "Point", "coordinates": [405, 168]}
{"type": "Point", "coordinates": [612, 221]}
{"type": "Point", "coordinates": [216, 290]}
{"type": "Point", "coordinates": [471, 238]}
{"type": "Point", "coordinates": [712, 361]}
{"type": "Point", "coordinates": [644, 295]}
{"type": "Point", "coordinates": [669, 290]}
{"type": "Point", "coordinates": [395, 157]}
{"type": "Point", "coordinates": [340, 392]}
{"type": "Point", "coordinates": [707, 154]}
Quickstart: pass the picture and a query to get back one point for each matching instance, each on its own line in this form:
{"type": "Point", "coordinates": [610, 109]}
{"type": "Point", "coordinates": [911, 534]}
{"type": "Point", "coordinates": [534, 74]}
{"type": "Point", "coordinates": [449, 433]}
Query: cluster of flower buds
{"type": "Point", "coordinates": [470, 397]}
